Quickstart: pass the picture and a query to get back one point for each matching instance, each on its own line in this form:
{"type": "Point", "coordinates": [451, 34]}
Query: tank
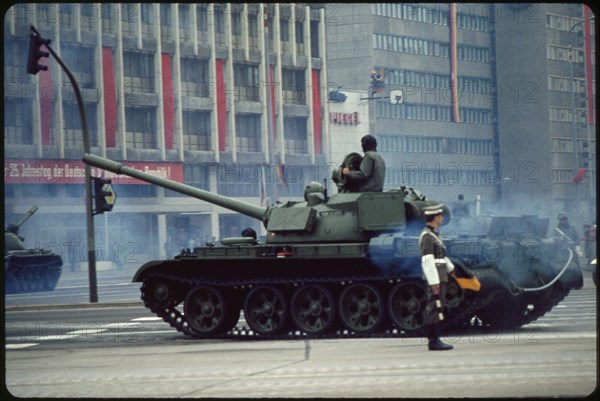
{"type": "Point", "coordinates": [342, 265]}
{"type": "Point", "coordinates": [28, 270]}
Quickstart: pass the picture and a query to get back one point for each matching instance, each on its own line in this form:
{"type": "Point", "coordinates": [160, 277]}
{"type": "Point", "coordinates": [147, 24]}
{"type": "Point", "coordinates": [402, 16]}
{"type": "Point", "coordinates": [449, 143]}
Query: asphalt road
{"type": "Point", "coordinates": [121, 350]}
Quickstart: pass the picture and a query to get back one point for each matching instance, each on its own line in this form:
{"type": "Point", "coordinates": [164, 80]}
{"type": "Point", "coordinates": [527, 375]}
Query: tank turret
{"type": "Point", "coordinates": [12, 240]}
{"type": "Point", "coordinates": [343, 217]}
{"type": "Point", "coordinates": [343, 265]}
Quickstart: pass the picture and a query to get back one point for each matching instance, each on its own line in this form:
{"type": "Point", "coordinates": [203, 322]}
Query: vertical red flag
{"type": "Point", "coordinates": [454, 63]}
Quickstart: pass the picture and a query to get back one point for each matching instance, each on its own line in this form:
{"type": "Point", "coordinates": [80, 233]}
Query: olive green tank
{"type": "Point", "coordinates": [341, 265]}
{"type": "Point", "coordinates": [28, 270]}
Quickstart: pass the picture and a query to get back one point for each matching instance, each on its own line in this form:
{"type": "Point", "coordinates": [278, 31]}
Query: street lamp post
{"type": "Point", "coordinates": [91, 244]}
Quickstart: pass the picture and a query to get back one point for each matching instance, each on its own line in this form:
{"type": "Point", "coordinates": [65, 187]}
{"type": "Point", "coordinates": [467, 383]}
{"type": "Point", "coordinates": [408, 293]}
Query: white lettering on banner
{"type": "Point", "coordinates": [42, 171]}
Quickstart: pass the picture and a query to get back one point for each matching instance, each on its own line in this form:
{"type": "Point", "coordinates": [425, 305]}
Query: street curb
{"type": "Point", "coordinates": [121, 304]}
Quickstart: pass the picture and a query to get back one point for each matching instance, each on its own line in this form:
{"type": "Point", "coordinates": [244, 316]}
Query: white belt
{"type": "Point", "coordinates": [440, 261]}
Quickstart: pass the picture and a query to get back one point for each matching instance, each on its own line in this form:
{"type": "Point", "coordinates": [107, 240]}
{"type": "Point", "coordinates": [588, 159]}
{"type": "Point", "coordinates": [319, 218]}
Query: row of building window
{"type": "Point", "coordinates": [139, 74]}
{"type": "Point", "coordinates": [432, 112]}
{"type": "Point", "coordinates": [566, 115]}
{"type": "Point", "coordinates": [429, 47]}
{"type": "Point", "coordinates": [566, 53]}
{"type": "Point", "coordinates": [431, 14]}
{"type": "Point", "coordinates": [411, 78]}
{"type": "Point", "coordinates": [415, 174]}
{"type": "Point", "coordinates": [567, 84]}
{"type": "Point", "coordinates": [565, 23]}
{"type": "Point", "coordinates": [141, 128]}
{"type": "Point", "coordinates": [565, 145]}
{"type": "Point", "coordinates": [424, 144]}
{"type": "Point", "coordinates": [143, 14]}
{"type": "Point", "coordinates": [565, 176]}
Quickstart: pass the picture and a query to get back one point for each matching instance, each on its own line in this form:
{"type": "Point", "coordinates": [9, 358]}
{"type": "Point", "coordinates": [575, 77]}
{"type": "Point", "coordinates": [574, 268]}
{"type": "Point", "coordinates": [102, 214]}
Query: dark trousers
{"type": "Point", "coordinates": [432, 313]}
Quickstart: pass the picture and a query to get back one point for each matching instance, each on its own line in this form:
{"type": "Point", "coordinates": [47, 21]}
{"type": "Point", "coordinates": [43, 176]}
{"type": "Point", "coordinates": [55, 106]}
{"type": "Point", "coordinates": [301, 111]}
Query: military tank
{"type": "Point", "coordinates": [340, 265]}
{"type": "Point", "coordinates": [28, 270]}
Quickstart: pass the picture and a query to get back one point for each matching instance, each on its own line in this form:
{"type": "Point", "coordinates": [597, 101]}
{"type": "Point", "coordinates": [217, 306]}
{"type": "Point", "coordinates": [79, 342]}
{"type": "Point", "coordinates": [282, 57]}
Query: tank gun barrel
{"type": "Point", "coordinates": [25, 217]}
{"type": "Point", "coordinates": [244, 208]}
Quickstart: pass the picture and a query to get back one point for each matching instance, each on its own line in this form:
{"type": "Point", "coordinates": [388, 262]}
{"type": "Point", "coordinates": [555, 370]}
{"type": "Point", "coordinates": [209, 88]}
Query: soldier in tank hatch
{"type": "Point", "coordinates": [371, 174]}
{"type": "Point", "coordinates": [436, 268]}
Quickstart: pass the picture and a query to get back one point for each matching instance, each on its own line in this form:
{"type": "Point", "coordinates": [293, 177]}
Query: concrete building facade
{"type": "Point", "coordinates": [491, 102]}
{"type": "Point", "coordinates": [225, 97]}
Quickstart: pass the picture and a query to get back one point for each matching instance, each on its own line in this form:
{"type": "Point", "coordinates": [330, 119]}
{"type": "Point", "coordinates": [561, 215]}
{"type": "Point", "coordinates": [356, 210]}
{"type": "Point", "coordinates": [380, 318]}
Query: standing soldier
{"type": "Point", "coordinates": [436, 267]}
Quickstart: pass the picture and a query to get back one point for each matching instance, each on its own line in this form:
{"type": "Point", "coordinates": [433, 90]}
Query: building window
{"type": "Point", "coordinates": [140, 127]}
{"type": "Point", "coordinates": [236, 23]}
{"type": "Point", "coordinates": [201, 18]}
{"type": "Point", "coordinates": [196, 130]}
{"type": "Point", "coordinates": [147, 15]}
{"type": "Point", "coordinates": [246, 82]}
{"type": "Point", "coordinates": [253, 30]}
{"type": "Point", "coordinates": [81, 62]}
{"type": "Point", "coordinates": [14, 62]}
{"type": "Point", "coordinates": [247, 127]}
{"type": "Point", "coordinates": [563, 23]}
{"type": "Point", "coordinates": [295, 135]}
{"type": "Point", "coordinates": [219, 18]}
{"type": "Point", "coordinates": [108, 18]}
{"type": "Point", "coordinates": [129, 19]}
{"type": "Point", "coordinates": [194, 78]}
{"type": "Point", "coordinates": [138, 75]}
{"type": "Point", "coordinates": [166, 26]}
{"type": "Point", "coordinates": [238, 179]}
{"type": "Point", "coordinates": [18, 126]}
{"type": "Point", "coordinates": [565, 53]}
{"type": "Point", "coordinates": [184, 21]}
{"type": "Point", "coordinates": [72, 124]}
{"type": "Point", "coordinates": [314, 38]}
{"type": "Point", "coordinates": [284, 30]}
{"type": "Point", "coordinates": [299, 36]}
{"type": "Point", "coordinates": [294, 86]}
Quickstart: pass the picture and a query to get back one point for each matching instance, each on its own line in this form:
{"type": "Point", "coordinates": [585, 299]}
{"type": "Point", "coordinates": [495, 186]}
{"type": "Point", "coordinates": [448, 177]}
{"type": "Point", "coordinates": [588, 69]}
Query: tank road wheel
{"type": "Point", "coordinates": [265, 310]}
{"type": "Point", "coordinates": [205, 310]}
{"type": "Point", "coordinates": [159, 293]}
{"type": "Point", "coordinates": [313, 308]}
{"type": "Point", "coordinates": [361, 308]}
{"type": "Point", "coordinates": [406, 303]}
{"type": "Point", "coordinates": [454, 295]}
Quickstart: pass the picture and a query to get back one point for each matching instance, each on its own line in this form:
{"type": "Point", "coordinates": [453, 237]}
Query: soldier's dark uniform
{"type": "Point", "coordinates": [436, 267]}
{"type": "Point", "coordinates": [371, 175]}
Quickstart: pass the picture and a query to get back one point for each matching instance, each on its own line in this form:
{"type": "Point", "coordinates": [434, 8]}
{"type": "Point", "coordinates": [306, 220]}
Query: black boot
{"type": "Point", "coordinates": [438, 345]}
{"type": "Point", "coordinates": [435, 344]}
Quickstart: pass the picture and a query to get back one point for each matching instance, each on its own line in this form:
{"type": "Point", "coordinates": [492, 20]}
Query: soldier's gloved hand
{"type": "Point", "coordinates": [449, 265]}
{"type": "Point", "coordinates": [435, 289]}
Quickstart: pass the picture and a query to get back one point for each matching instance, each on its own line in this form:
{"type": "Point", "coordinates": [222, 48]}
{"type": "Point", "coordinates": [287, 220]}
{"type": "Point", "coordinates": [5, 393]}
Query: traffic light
{"type": "Point", "coordinates": [104, 195]}
{"type": "Point", "coordinates": [377, 81]}
{"type": "Point", "coordinates": [35, 42]}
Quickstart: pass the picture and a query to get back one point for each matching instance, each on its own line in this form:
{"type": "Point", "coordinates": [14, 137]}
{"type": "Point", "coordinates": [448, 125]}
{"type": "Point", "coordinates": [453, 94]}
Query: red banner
{"type": "Point", "coordinates": [454, 64]}
{"type": "Point", "coordinates": [221, 105]}
{"type": "Point", "coordinates": [316, 100]}
{"type": "Point", "coordinates": [589, 72]}
{"type": "Point", "coordinates": [110, 102]}
{"type": "Point", "coordinates": [168, 101]}
{"type": "Point", "coordinates": [48, 171]}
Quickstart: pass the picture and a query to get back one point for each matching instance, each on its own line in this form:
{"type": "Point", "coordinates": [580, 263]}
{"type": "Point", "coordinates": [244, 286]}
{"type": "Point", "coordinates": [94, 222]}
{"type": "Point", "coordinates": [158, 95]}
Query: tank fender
{"type": "Point", "coordinates": [147, 268]}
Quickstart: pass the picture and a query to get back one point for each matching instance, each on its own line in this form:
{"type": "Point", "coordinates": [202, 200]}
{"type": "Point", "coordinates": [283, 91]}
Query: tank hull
{"type": "Point", "coordinates": [333, 290]}
{"type": "Point", "coordinates": [31, 270]}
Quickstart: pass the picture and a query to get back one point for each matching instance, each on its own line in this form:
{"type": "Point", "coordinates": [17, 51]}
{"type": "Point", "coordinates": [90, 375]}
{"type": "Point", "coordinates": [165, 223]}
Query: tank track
{"type": "Point", "coordinates": [176, 319]}
{"type": "Point", "coordinates": [31, 279]}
